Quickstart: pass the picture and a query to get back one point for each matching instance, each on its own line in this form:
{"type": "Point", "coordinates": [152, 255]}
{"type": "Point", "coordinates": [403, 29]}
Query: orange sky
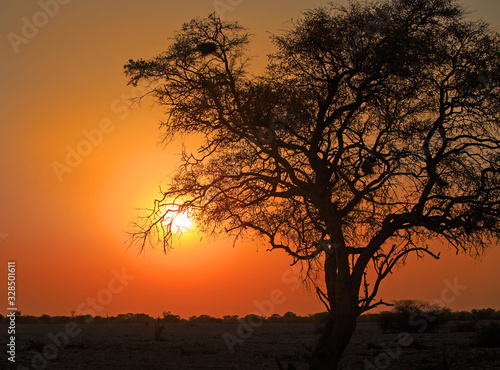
{"type": "Point", "coordinates": [66, 231]}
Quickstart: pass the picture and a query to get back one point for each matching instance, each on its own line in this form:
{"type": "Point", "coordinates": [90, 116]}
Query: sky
{"type": "Point", "coordinates": [64, 217]}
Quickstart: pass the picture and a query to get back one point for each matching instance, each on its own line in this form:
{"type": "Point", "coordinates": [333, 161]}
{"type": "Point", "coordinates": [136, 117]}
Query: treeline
{"type": "Point", "coordinates": [168, 317]}
{"type": "Point", "coordinates": [445, 314]}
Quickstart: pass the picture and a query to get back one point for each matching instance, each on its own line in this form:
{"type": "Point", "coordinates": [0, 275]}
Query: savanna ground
{"type": "Point", "coordinates": [201, 346]}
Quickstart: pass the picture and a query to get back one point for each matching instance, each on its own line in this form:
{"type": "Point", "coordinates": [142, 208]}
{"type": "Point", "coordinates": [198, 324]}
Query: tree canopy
{"type": "Point", "coordinates": [374, 130]}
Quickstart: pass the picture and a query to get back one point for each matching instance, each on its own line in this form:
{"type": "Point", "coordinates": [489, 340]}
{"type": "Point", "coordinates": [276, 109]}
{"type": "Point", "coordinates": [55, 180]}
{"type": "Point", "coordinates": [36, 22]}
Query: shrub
{"type": "Point", "coordinates": [203, 319]}
{"type": "Point", "coordinates": [489, 335]}
{"type": "Point", "coordinates": [484, 314]}
{"type": "Point", "coordinates": [319, 317]}
{"type": "Point", "coordinates": [275, 318]}
{"type": "Point", "coordinates": [463, 315]}
{"type": "Point", "coordinates": [412, 316]}
{"type": "Point", "coordinates": [159, 326]}
{"type": "Point", "coordinates": [253, 319]}
{"type": "Point", "coordinates": [290, 317]}
{"type": "Point", "coordinates": [169, 317]}
{"type": "Point", "coordinates": [389, 321]}
{"type": "Point", "coordinates": [44, 318]}
{"type": "Point", "coordinates": [230, 318]}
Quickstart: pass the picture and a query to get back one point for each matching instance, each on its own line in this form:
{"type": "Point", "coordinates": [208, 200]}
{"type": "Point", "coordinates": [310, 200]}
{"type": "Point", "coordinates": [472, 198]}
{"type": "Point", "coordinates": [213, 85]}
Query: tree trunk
{"type": "Point", "coordinates": [334, 339]}
{"type": "Point", "coordinates": [341, 322]}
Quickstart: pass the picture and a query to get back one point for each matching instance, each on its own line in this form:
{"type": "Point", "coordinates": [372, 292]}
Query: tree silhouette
{"type": "Point", "coordinates": [374, 130]}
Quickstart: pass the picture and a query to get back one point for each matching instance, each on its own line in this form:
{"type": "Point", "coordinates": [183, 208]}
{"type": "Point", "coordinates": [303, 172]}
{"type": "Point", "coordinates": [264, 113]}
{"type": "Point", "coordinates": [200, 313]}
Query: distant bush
{"type": "Point", "coordinates": [485, 314]}
{"type": "Point", "coordinates": [411, 316]}
{"type": "Point", "coordinates": [204, 319]}
{"type": "Point", "coordinates": [159, 326]}
{"type": "Point", "coordinates": [169, 317]}
{"type": "Point", "coordinates": [60, 319]}
{"type": "Point", "coordinates": [407, 315]}
{"type": "Point", "coordinates": [463, 315]}
{"type": "Point", "coordinates": [489, 335]}
{"type": "Point", "coordinates": [230, 318]}
{"type": "Point", "coordinates": [133, 318]}
{"type": "Point", "coordinates": [275, 318]}
{"type": "Point", "coordinates": [253, 319]}
{"type": "Point", "coordinates": [101, 320]}
{"type": "Point", "coordinates": [45, 319]}
{"type": "Point", "coordinates": [476, 314]}
{"type": "Point", "coordinates": [319, 317]}
{"type": "Point", "coordinates": [28, 320]}
{"type": "Point", "coordinates": [290, 317]}
{"type": "Point", "coordinates": [81, 319]}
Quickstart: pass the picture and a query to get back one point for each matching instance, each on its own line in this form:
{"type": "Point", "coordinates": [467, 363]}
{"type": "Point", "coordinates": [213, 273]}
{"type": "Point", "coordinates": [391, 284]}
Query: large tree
{"type": "Point", "coordinates": [374, 129]}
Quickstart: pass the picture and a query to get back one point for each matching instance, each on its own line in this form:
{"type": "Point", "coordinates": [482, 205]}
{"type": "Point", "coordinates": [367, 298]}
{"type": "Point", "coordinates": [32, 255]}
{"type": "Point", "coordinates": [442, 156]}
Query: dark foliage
{"type": "Point", "coordinates": [159, 326]}
{"type": "Point", "coordinates": [169, 317]}
{"type": "Point", "coordinates": [411, 316]}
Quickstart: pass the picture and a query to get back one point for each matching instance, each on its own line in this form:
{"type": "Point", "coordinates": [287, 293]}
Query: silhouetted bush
{"type": "Point", "coordinates": [407, 315]}
{"type": "Point", "coordinates": [81, 319]}
{"type": "Point", "coordinates": [275, 318]}
{"type": "Point", "coordinates": [463, 315]}
{"type": "Point", "coordinates": [28, 320]}
{"type": "Point", "coordinates": [253, 319]}
{"type": "Point", "coordinates": [169, 317]}
{"type": "Point", "coordinates": [133, 318]}
{"type": "Point", "coordinates": [101, 320]}
{"type": "Point", "coordinates": [44, 319]}
{"type": "Point", "coordinates": [488, 335]}
{"type": "Point", "coordinates": [485, 314]}
{"type": "Point", "coordinates": [59, 319]}
{"type": "Point", "coordinates": [230, 318]}
{"type": "Point", "coordinates": [204, 319]}
{"type": "Point", "coordinates": [319, 317]}
{"type": "Point", "coordinates": [159, 326]}
{"type": "Point", "coordinates": [290, 317]}
{"type": "Point", "coordinates": [445, 313]}
{"type": "Point", "coordinates": [411, 316]}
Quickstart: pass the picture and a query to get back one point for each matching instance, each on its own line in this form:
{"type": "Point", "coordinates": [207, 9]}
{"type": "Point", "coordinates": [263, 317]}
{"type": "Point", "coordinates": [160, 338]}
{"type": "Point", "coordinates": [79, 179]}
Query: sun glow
{"type": "Point", "coordinates": [179, 222]}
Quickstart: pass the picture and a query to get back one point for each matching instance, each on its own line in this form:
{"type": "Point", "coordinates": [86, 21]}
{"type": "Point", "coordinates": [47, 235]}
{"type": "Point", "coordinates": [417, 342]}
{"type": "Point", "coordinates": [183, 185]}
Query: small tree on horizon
{"type": "Point", "coordinates": [374, 131]}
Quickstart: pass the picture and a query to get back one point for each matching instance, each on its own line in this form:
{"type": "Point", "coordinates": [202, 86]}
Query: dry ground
{"type": "Point", "coordinates": [201, 346]}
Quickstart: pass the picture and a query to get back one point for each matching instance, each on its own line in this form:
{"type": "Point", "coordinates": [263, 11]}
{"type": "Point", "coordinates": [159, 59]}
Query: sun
{"type": "Point", "coordinates": [180, 222]}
